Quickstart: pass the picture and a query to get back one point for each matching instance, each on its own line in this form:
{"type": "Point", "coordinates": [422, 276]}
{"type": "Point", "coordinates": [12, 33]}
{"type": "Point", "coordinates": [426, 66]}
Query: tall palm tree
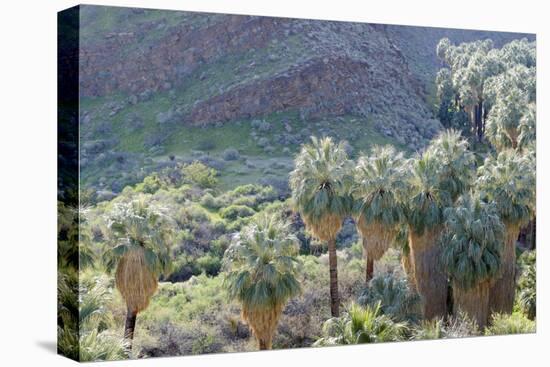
{"type": "Point", "coordinates": [378, 184]}
{"type": "Point", "coordinates": [424, 212]}
{"type": "Point", "coordinates": [320, 186]}
{"type": "Point", "coordinates": [261, 274]}
{"type": "Point", "coordinates": [471, 255]}
{"type": "Point", "coordinates": [139, 238]}
{"type": "Point", "coordinates": [436, 179]}
{"type": "Point", "coordinates": [508, 179]}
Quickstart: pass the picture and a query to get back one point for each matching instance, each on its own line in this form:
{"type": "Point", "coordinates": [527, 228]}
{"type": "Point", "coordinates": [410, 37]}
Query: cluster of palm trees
{"type": "Point", "coordinates": [461, 223]}
{"type": "Point", "coordinates": [462, 220]}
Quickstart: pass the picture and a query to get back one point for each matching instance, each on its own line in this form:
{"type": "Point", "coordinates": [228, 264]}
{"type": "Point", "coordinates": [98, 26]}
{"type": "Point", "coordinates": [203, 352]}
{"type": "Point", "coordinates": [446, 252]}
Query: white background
{"type": "Point", "coordinates": [28, 180]}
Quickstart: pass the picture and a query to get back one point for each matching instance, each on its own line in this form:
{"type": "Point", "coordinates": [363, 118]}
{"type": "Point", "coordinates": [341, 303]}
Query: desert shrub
{"type": "Point", "coordinates": [209, 264]}
{"type": "Point", "coordinates": [361, 325]}
{"type": "Point", "coordinates": [249, 195]}
{"type": "Point", "coordinates": [190, 214]}
{"type": "Point", "coordinates": [183, 267]}
{"type": "Point", "coordinates": [394, 295]}
{"type": "Point", "coordinates": [149, 185]}
{"type": "Point", "coordinates": [429, 329]}
{"type": "Point", "coordinates": [230, 154]}
{"type": "Point", "coordinates": [210, 202]}
{"type": "Point", "coordinates": [527, 284]}
{"type": "Point", "coordinates": [200, 174]}
{"type": "Point", "coordinates": [176, 340]}
{"type": "Point", "coordinates": [458, 326]}
{"type": "Point", "coordinates": [516, 323]}
{"type": "Point", "coordinates": [234, 212]}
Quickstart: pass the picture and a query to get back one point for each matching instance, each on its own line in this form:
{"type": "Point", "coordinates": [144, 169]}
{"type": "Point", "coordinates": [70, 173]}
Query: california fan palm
{"type": "Point", "coordinates": [139, 237]}
{"type": "Point", "coordinates": [508, 179]}
{"type": "Point", "coordinates": [471, 253]}
{"type": "Point", "coordinates": [378, 183]}
{"type": "Point", "coordinates": [261, 274]}
{"type": "Point", "coordinates": [436, 179]}
{"type": "Point", "coordinates": [320, 186]}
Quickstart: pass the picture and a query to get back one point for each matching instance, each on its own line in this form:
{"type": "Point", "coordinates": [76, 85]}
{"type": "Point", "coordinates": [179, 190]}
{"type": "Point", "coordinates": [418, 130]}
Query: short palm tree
{"type": "Point", "coordinates": [320, 186]}
{"type": "Point", "coordinates": [361, 325]}
{"type": "Point", "coordinates": [262, 274]}
{"type": "Point", "coordinates": [508, 179]}
{"type": "Point", "coordinates": [139, 238]}
{"type": "Point", "coordinates": [471, 255]}
{"type": "Point", "coordinates": [378, 184]}
{"type": "Point", "coordinates": [436, 179]}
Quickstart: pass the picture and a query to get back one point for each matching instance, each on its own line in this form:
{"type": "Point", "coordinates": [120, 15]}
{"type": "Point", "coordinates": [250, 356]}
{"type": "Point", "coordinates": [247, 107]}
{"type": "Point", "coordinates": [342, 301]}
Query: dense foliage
{"type": "Point", "coordinates": [210, 267]}
{"type": "Point", "coordinates": [472, 241]}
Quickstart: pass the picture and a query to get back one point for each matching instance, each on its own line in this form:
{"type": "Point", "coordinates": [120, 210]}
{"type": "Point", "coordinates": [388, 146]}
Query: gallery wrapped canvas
{"type": "Point", "coordinates": [232, 183]}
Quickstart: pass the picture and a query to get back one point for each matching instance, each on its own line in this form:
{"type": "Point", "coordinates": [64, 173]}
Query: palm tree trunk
{"type": "Point", "coordinates": [430, 280]}
{"type": "Point", "coordinates": [369, 262]}
{"type": "Point", "coordinates": [333, 268]}
{"type": "Point", "coordinates": [502, 293]}
{"type": "Point", "coordinates": [129, 328]}
{"type": "Point", "coordinates": [474, 302]}
{"type": "Point", "coordinates": [264, 344]}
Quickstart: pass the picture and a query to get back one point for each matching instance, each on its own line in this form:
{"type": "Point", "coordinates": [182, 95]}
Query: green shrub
{"type": "Point", "coordinates": [200, 174]}
{"type": "Point", "coordinates": [210, 202]}
{"type": "Point", "coordinates": [150, 184]}
{"type": "Point", "coordinates": [234, 212]}
{"type": "Point", "coordinates": [209, 264]}
{"type": "Point", "coordinates": [515, 323]}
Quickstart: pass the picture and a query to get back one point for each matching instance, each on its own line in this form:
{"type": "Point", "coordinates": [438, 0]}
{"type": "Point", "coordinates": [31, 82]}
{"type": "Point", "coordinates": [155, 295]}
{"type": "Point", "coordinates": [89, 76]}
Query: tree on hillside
{"type": "Point", "coordinates": [512, 96]}
{"type": "Point", "coordinates": [262, 274]}
{"type": "Point", "coordinates": [378, 183]}
{"type": "Point", "coordinates": [508, 180]}
{"type": "Point", "coordinates": [470, 65]}
{"type": "Point", "coordinates": [471, 254]}
{"type": "Point", "coordinates": [472, 74]}
{"type": "Point", "coordinates": [138, 237]}
{"type": "Point", "coordinates": [320, 186]}
{"type": "Point", "coordinates": [436, 179]}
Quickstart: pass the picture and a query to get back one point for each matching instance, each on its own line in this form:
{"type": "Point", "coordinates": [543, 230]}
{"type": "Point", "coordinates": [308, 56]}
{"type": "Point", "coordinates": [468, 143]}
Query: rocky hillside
{"type": "Point", "coordinates": [149, 77]}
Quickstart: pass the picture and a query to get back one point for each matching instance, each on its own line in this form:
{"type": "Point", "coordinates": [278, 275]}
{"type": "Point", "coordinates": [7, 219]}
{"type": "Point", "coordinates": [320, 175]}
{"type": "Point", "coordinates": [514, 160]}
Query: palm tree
{"type": "Point", "coordinates": [436, 179]}
{"type": "Point", "coordinates": [424, 212]}
{"type": "Point", "coordinates": [471, 255]}
{"type": "Point", "coordinates": [139, 238]}
{"type": "Point", "coordinates": [320, 186]}
{"type": "Point", "coordinates": [261, 274]}
{"type": "Point", "coordinates": [378, 183]}
{"type": "Point", "coordinates": [508, 180]}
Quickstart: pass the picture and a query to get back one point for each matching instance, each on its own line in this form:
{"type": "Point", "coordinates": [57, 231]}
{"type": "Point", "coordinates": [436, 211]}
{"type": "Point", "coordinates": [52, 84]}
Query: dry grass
{"type": "Point", "coordinates": [135, 281]}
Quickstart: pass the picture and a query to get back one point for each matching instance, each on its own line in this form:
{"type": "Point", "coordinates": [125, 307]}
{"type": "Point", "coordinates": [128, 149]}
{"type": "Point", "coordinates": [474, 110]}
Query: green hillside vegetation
{"type": "Point", "coordinates": [224, 239]}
